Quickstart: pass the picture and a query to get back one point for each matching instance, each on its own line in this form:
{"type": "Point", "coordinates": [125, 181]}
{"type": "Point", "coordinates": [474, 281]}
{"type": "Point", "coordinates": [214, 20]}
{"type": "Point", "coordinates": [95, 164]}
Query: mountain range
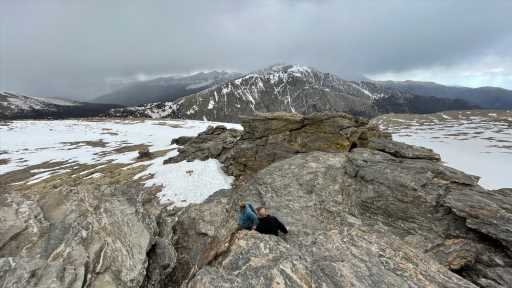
{"type": "Point", "coordinates": [485, 97]}
{"type": "Point", "coordinates": [13, 106]}
{"type": "Point", "coordinates": [224, 96]}
{"type": "Point", "coordinates": [292, 88]}
{"type": "Point", "coordinates": [165, 88]}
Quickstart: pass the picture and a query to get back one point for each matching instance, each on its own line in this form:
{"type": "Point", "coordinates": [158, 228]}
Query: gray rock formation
{"type": "Point", "coordinates": [362, 211]}
{"type": "Point", "coordinates": [270, 137]}
{"type": "Point", "coordinates": [359, 219]}
{"type": "Point", "coordinates": [94, 235]}
{"type": "Point", "coordinates": [402, 150]}
{"type": "Point", "coordinates": [388, 215]}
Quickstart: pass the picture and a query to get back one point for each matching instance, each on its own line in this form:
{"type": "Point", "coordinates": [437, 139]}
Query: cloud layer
{"type": "Point", "coordinates": [70, 48]}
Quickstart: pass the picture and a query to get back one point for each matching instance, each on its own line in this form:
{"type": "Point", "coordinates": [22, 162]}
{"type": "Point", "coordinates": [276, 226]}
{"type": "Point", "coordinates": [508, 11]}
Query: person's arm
{"type": "Point", "coordinates": [281, 226]}
{"type": "Point", "coordinates": [254, 219]}
{"type": "Point", "coordinates": [250, 212]}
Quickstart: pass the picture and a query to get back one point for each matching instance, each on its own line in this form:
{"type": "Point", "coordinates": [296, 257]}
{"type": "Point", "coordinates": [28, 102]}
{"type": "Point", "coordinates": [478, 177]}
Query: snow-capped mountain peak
{"type": "Point", "coordinates": [289, 88]}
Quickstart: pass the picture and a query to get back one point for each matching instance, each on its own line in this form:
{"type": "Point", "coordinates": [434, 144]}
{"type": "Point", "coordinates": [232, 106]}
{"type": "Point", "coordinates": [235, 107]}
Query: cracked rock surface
{"type": "Point", "coordinates": [362, 211]}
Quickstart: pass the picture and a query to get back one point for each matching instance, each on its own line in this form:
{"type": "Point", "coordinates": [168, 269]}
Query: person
{"type": "Point", "coordinates": [269, 224]}
{"type": "Point", "coordinates": [248, 218]}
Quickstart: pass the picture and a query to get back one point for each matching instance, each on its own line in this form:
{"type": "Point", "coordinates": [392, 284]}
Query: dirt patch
{"type": "Point", "coordinates": [4, 161]}
{"type": "Point", "coordinates": [94, 143]}
{"type": "Point", "coordinates": [108, 131]}
{"type": "Point", "coordinates": [26, 173]}
{"type": "Point", "coordinates": [130, 148]}
{"type": "Point", "coordinates": [172, 125]}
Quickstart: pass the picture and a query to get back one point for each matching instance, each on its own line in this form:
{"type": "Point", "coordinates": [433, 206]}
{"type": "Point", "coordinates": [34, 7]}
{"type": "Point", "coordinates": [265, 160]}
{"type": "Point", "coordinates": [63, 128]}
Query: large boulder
{"type": "Point", "coordinates": [202, 232]}
{"type": "Point", "coordinates": [402, 150]}
{"type": "Point", "coordinates": [92, 235]}
{"type": "Point", "coordinates": [361, 219]}
{"type": "Point", "coordinates": [487, 211]}
{"type": "Point", "coordinates": [336, 258]}
{"type": "Point", "coordinates": [211, 143]}
{"type": "Point", "coordinates": [271, 137]}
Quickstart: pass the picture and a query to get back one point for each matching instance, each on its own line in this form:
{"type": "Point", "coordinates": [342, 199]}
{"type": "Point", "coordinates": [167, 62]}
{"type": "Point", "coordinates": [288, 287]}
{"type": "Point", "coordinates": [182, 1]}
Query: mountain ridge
{"type": "Point", "coordinates": [15, 106]}
{"type": "Point", "coordinates": [488, 97]}
{"type": "Point", "coordinates": [164, 88]}
{"type": "Point", "coordinates": [289, 88]}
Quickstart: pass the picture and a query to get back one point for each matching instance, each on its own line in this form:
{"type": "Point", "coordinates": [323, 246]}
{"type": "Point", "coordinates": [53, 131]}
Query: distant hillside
{"type": "Point", "coordinates": [13, 106]}
{"type": "Point", "coordinates": [291, 88]}
{"type": "Point", "coordinates": [165, 89]}
{"type": "Point", "coordinates": [485, 97]}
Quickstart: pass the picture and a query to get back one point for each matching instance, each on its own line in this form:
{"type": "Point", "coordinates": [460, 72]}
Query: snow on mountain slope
{"type": "Point", "coordinates": [25, 103]}
{"type": "Point", "coordinates": [13, 106]}
{"type": "Point", "coordinates": [85, 149]}
{"type": "Point", "coordinates": [289, 88]}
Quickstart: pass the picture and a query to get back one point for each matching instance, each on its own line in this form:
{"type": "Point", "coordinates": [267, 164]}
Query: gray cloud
{"type": "Point", "coordinates": [69, 48]}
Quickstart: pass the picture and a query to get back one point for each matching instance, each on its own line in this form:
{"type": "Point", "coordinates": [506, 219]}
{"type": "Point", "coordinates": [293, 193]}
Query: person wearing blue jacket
{"type": "Point", "coordinates": [248, 218]}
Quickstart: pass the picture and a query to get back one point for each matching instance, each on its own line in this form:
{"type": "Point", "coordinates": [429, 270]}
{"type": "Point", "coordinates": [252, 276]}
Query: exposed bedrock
{"type": "Point", "coordinates": [362, 211]}
{"type": "Point", "coordinates": [93, 235]}
{"type": "Point", "coordinates": [385, 215]}
{"type": "Point", "coordinates": [270, 137]}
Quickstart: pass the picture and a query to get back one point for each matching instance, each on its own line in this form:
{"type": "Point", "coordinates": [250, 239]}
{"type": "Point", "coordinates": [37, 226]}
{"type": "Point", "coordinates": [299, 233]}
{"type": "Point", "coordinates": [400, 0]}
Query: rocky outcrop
{"type": "Point", "coordinates": [346, 258]}
{"type": "Point", "coordinates": [360, 219]}
{"type": "Point", "coordinates": [370, 212]}
{"type": "Point", "coordinates": [271, 137]}
{"type": "Point", "coordinates": [487, 211]}
{"type": "Point", "coordinates": [211, 143]}
{"type": "Point", "coordinates": [402, 150]}
{"type": "Point", "coordinates": [361, 209]}
{"type": "Point", "coordinates": [94, 235]}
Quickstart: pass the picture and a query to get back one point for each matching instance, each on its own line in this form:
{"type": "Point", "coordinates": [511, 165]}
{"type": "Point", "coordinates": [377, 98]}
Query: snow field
{"type": "Point", "coordinates": [27, 143]}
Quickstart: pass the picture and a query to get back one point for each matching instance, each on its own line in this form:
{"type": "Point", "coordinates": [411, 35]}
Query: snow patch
{"type": "Point", "coordinates": [182, 183]}
{"type": "Point", "coordinates": [186, 182]}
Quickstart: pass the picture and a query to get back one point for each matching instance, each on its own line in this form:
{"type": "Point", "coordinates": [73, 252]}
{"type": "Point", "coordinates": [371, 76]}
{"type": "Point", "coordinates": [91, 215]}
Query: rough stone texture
{"type": "Point", "coordinates": [402, 150]}
{"type": "Point", "coordinates": [144, 153]}
{"type": "Point", "coordinates": [270, 137]}
{"type": "Point", "coordinates": [487, 211]}
{"type": "Point", "coordinates": [208, 144]}
{"type": "Point", "coordinates": [347, 258]}
{"type": "Point", "coordinates": [88, 236]}
{"type": "Point", "coordinates": [203, 232]}
{"type": "Point", "coordinates": [360, 219]}
{"type": "Point", "coordinates": [362, 211]}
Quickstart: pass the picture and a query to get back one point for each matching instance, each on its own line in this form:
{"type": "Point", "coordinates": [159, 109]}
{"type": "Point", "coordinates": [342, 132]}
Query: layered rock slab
{"type": "Point", "coordinates": [270, 137]}
{"type": "Point", "coordinates": [370, 205]}
{"type": "Point", "coordinates": [94, 235]}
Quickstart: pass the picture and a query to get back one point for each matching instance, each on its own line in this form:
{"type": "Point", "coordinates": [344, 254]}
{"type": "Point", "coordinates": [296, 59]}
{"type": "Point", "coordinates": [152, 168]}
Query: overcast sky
{"type": "Point", "coordinates": [75, 48]}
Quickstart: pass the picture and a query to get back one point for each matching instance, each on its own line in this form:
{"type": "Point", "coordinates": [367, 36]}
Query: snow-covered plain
{"type": "Point", "coordinates": [27, 143]}
{"type": "Point", "coordinates": [476, 142]}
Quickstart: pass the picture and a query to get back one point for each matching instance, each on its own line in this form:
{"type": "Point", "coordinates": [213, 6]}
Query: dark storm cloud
{"type": "Point", "coordinates": [69, 48]}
